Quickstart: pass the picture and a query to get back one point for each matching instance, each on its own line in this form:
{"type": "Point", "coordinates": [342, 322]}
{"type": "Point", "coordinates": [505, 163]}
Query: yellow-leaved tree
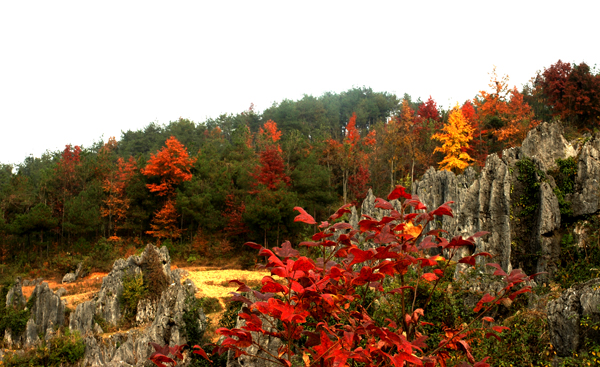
{"type": "Point", "coordinates": [456, 135]}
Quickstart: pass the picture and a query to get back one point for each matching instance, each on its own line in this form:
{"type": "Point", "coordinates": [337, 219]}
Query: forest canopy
{"type": "Point", "coordinates": [237, 177]}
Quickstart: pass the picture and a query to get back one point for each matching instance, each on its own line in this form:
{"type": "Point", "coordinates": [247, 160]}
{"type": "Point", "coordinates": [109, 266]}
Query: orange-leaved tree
{"type": "Point", "coordinates": [456, 135]}
{"type": "Point", "coordinates": [114, 185]}
{"type": "Point", "coordinates": [171, 166]}
{"type": "Point", "coordinates": [504, 111]}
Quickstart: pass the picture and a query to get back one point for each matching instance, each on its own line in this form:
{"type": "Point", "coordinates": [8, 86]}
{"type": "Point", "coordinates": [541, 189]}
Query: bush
{"type": "Point", "coordinates": [13, 318]}
{"type": "Point", "coordinates": [579, 264]}
{"type": "Point", "coordinates": [64, 350]}
{"type": "Point", "coordinates": [210, 305]}
{"type": "Point", "coordinates": [134, 290]}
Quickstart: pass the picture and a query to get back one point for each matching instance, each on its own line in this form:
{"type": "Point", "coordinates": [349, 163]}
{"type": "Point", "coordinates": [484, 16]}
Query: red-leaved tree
{"type": "Point", "coordinates": [170, 166]}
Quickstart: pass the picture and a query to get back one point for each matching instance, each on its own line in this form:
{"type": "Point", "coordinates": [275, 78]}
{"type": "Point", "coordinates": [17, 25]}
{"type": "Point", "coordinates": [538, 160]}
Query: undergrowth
{"type": "Point", "coordinates": [66, 349]}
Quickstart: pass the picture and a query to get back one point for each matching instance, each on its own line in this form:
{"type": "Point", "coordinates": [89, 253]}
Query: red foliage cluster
{"type": "Point", "coordinates": [322, 300]}
{"type": "Point", "coordinates": [428, 110]}
{"type": "Point", "coordinates": [271, 171]}
{"type": "Point", "coordinates": [572, 91]}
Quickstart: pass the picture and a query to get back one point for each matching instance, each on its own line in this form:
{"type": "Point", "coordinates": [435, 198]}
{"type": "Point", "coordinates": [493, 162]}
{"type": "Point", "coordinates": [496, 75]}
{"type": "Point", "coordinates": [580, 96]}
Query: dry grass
{"type": "Point", "coordinates": [215, 283]}
{"type": "Point", "coordinates": [77, 292]}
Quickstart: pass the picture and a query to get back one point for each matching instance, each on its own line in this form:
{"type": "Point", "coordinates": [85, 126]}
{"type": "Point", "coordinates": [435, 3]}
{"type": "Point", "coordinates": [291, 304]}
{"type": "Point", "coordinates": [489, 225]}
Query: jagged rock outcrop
{"type": "Point", "coordinates": [47, 314]}
{"type": "Point", "coordinates": [48, 310]}
{"type": "Point", "coordinates": [15, 297]}
{"type": "Point", "coordinates": [571, 317]}
{"type": "Point", "coordinates": [585, 199]}
{"type": "Point", "coordinates": [71, 277]}
{"type": "Point", "coordinates": [161, 319]}
{"type": "Point", "coordinates": [493, 201]}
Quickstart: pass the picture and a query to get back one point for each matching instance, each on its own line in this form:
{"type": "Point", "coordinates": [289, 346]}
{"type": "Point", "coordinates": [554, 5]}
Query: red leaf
{"type": "Point", "coordinates": [398, 192]}
{"type": "Point", "coordinates": [430, 277]}
{"type": "Point", "coordinates": [341, 225]}
{"type": "Point", "coordinates": [522, 290]}
{"type": "Point", "coordinates": [500, 329]}
{"type": "Point", "coordinates": [253, 245]}
{"type": "Point", "coordinates": [159, 348]}
{"type": "Point", "coordinates": [382, 204]}
{"type": "Point", "coordinates": [269, 285]}
{"type": "Point", "coordinates": [319, 236]}
{"type": "Point", "coordinates": [158, 360]}
{"type": "Point", "coordinates": [304, 216]}
{"type": "Point", "coordinates": [468, 260]}
{"type": "Point", "coordinates": [487, 298]}
{"type": "Point", "coordinates": [385, 236]}
{"type": "Point", "coordinates": [368, 225]}
{"type": "Point", "coordinates": [361, 256]}
{"type": "Point", "coordinates": [201, 352]}
{"type": "Point", "coordinates": [327, 298]}
{"type": "Point", "coordinates": [303, 264]}
{"type": "Point", "coordinates": [488, 319]}
{"type": "Point", "coordinates": [443, 209]}
{"type": "Point", "coordinates": [341, 211]}
{"type": "Point", "coordinates": [286, 250]}
{"type": "Point", "coordinates": [499, 270]}
{"type": "Point", "coordinates": [242, 287]}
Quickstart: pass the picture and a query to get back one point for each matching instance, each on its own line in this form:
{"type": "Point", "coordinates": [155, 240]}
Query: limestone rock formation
{"type": "Point", "coordinates": [48, 310]}
{"type": "Point", "coordinates": [71, 277]}
{"type": "Point", "coordinates": [493, 201]}
{"type": "Point", "coordinates": [571, 317]}
{"type": "Point", "coordinates": [161, 318]}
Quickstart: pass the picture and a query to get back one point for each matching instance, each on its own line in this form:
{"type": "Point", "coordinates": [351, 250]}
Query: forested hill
{"type": "Point", "coordinates": [206, 188]}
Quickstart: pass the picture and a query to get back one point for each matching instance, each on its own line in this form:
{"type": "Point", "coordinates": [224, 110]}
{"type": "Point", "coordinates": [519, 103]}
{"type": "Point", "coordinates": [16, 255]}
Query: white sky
{"type": "Point", "coordinates": [74, 71]}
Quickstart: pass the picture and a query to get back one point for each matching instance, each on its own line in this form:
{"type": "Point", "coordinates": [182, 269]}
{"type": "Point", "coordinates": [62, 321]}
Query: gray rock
{"type": "Point", "coordinates": [79, 272]}
{"type": "Point", "coordinates": [545, 143]}
{"type": "Point", "coordinates": [69, 278]}
{"type": "Point", "coordinates": [61, 292]}
{"type": "Point", "coordinates": [567, 332]}
{"type": "Point", "coordinates": [162, 318]}
{"type": "Point", "coordinates": [15, 297]}
{"type": "Point", "coordinates": [31, 333]}
{"type": "Point", "coordinates": [487, 202]}
{"type": "Point", "coordinates": [82, 319]}
{"type": "Point", "coordinates": [48, 310]}
{"type": "Point", "coordinates": [586, 198]}
{"type": "Point", "coordinates": [107, 300]}
{"type": "Point", "coordinates": [93, 356]}
{"type": "Point", "coordinates": [146, 311]}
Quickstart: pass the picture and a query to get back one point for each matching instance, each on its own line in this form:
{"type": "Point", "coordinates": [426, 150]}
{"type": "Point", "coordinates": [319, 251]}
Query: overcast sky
{"type": "Point", "coordinates": [72, 72]}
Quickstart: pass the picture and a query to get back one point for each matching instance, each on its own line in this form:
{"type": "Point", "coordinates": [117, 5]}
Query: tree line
{"type": "Point", "coordinates": [216, 184]}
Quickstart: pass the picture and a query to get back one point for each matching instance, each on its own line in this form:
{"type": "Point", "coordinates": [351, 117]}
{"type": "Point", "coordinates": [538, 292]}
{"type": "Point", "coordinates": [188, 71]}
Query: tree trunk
{"type": "Point", "coordinates": [412, 174]}
{"type": "Point", "coordinates": [392, 175]}
{"type": "Point", "coordinates": [266, 239]}
{"type": "Point", "coordinates": [345, 185]}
